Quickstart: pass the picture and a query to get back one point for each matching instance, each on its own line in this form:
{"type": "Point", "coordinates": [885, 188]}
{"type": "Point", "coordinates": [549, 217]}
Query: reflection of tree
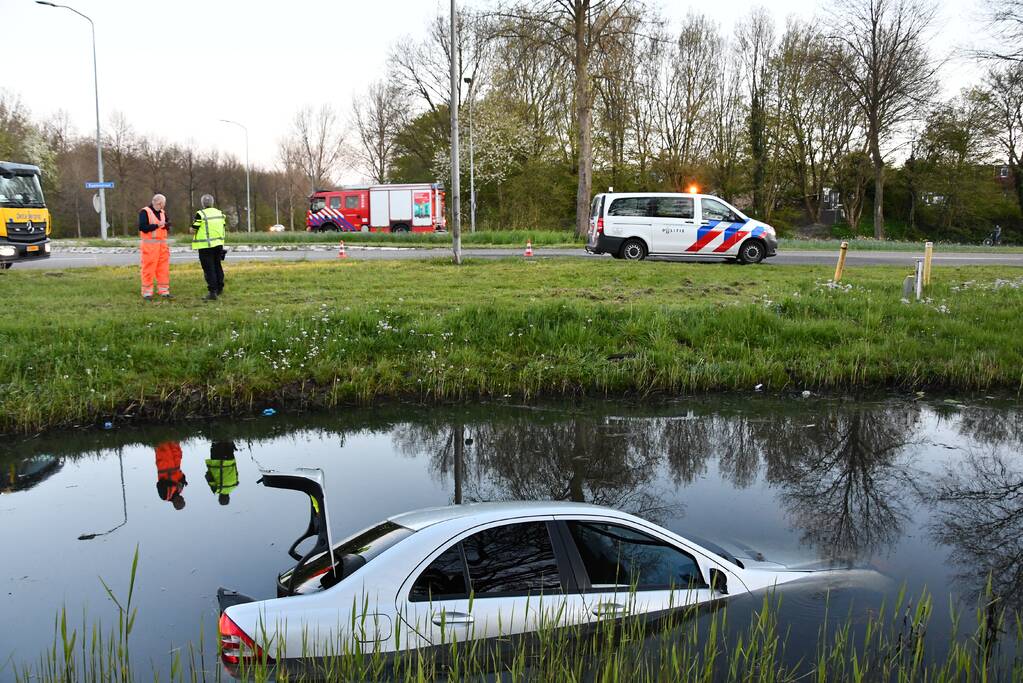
{"type": "Point", "coordinates": [979, 503]}
{"type": "Point", "coordinates": [604, 461]}
{"type": "Point", "coordinates": [844, 477]}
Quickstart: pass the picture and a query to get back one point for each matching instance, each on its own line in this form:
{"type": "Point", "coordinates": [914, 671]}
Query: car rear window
{"type": "Point", "coordinates": [316, 575]}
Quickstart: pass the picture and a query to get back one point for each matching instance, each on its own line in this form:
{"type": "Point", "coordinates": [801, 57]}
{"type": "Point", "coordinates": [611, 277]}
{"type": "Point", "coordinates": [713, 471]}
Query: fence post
{"type": "Point", "coordinates": [919, 279]}
{"type": "Point", "coordinates": [841, 261]}
{"type": "Point", "coordinates": [928, 254]}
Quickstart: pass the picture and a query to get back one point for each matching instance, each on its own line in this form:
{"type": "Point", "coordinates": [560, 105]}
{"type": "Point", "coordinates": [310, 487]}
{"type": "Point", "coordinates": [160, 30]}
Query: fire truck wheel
{"type": "Point", "coordinates": [401, 227]}
{"type": "Point", "coordinates": [329, 226]}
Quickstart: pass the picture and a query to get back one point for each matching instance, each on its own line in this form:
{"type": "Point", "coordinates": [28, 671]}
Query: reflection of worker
{"type": "Point", "coordinates": [153, 231]}
{"type": "Point", "coordinates": [222, 470]}
{"type": "Point", "coordinates": [170, 480]}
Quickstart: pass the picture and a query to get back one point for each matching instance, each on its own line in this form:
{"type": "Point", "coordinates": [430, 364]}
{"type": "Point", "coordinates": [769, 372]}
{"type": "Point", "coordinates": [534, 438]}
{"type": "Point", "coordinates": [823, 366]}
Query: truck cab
{"type": "Point", "coordinates": [24, 220]}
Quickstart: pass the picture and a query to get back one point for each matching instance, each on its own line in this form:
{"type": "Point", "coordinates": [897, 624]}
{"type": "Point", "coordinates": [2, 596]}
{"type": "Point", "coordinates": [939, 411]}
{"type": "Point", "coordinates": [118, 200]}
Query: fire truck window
{"type": "Point", "coordinates": [352, 201]}
{"type": "Point", "coordinates": [317, 204]}
{"type": "Point", "coordinates": [335, 202]}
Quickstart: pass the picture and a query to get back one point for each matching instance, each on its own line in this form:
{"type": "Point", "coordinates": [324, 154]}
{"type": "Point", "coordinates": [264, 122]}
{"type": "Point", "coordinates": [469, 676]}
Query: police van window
{"type": "Point", "coordinates": [595, 206]}
{"type": "Point", "coordinates": [713, 210]}
{"type": "Point", "coordinates": [672, 207]}
{"type": "Point", "coordinates": [317, 203]}
{"type": "Point", "coordinates": [630, 206]}
{"type": "Point", "coordinates": [352, 201]}
{"type": "Point", "coordinates": [444, 579]}
{"type": "Point", "coordinates": [335, 202]}
{"type": "Point", "coordinates": [617, 556]}
{"type": "Point", "coordinates": [515, 559]}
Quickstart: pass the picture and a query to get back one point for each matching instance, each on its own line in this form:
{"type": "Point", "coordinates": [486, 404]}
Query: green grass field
{"type": "Point", "coordinates": [516, 239]}
{"type": "Point", "coordinates": [79, 345]}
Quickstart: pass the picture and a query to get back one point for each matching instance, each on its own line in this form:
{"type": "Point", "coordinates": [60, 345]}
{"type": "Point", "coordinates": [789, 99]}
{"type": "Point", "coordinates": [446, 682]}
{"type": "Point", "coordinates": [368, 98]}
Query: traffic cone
{"type": "Point", "coordinates": [529, 248]}
{"type": "Point", "coordinates": [341, 250]}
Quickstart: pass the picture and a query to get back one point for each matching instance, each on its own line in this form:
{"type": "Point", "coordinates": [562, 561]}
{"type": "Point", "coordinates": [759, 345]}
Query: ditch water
{"type": "Point", "coordinates": [922, 493]}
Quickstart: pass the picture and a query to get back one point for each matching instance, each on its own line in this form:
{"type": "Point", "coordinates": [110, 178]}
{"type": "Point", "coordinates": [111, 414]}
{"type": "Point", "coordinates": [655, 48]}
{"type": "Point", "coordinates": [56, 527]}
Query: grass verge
{"type": "Point", "coordinates": [515, 239]}
{"type": "Point", "coordinates": [80, 345]}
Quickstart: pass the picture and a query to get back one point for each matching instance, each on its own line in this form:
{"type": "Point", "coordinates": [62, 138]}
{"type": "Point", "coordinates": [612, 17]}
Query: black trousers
{"type": "Point", "coordinates": [212, 268]}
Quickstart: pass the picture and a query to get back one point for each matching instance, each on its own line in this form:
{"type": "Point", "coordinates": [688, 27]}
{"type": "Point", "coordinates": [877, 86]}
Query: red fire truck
{"type": "Point", "coordinates": [417, 207]}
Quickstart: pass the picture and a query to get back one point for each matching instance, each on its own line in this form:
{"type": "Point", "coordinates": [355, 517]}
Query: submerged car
{"type": "Point", "coordinates": [473, 571]}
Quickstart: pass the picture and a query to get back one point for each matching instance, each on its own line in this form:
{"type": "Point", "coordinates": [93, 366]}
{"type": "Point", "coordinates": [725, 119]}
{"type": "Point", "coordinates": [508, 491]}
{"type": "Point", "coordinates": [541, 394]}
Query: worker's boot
{"type": "Point", "coordinates": [166, 297]}
{"type": "Point", "coordinates": [211, 296]}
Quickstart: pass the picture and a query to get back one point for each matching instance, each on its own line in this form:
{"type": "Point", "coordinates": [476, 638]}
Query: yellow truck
{"type": "Point", "coordinates": [24, 220]}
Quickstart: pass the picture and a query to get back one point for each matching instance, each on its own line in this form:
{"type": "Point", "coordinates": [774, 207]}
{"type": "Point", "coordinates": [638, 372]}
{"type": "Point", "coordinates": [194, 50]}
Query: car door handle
{"type": "Point", "coordinates": [452, 618]}
{"type": "Point", "coordinates": [604, 608]}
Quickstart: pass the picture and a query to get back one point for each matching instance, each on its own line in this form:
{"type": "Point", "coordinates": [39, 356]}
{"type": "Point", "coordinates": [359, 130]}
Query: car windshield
{"type": "Point", "coordinates": [316, 574]}
{"type": "Point", "coordinates": [21, 190]}
{"type": "Point", "coordinates": [317, 203]}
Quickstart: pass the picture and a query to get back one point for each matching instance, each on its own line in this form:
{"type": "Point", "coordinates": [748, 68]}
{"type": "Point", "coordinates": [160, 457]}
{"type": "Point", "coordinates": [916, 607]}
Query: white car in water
{"type": "Point", "coordinates": [474, 571]}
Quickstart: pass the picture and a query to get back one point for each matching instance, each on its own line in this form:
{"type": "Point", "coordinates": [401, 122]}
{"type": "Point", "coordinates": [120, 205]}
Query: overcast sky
{"type": "Point", "coordinates": [174, 68]}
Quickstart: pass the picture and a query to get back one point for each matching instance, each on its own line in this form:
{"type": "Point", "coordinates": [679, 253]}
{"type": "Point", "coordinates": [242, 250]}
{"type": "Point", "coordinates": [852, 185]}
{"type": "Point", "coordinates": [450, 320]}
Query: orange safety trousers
{"type": "Point", "coordinates": [155, 256]}
{"type": "Point", "coordinates": [168, 466]}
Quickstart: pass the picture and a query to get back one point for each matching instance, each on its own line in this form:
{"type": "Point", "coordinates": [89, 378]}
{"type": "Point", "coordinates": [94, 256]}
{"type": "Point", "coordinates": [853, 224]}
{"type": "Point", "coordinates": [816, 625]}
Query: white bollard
{"type": "Point", "coordinates": [919, 278]}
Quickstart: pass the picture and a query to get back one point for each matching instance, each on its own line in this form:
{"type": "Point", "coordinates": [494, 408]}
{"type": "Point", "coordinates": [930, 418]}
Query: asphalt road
{"type": "Point", "coordinates": [78, 260]}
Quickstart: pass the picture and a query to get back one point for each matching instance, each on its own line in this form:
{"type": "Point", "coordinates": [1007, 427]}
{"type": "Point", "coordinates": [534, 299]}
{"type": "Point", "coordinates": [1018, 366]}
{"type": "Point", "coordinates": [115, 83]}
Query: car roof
{"type": "Point", "coordinates": [489, 512]}
{"type": "Point", "coordinates": [10, 167]}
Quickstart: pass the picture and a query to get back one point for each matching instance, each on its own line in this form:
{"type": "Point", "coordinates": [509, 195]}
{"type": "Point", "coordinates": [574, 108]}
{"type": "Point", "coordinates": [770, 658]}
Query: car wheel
{"type": "Point", "coordinates": [633, 250]}
{"type": "Point", "coordinates": [752, 251]}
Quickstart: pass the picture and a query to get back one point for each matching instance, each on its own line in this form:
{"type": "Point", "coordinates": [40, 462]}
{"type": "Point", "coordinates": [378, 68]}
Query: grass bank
{"type": "Point", "coordinates": [516, 239]}
{"type": "Point", "coordinates": [748, 641]}
{"type": "Point", "coordinates": [80, 345]}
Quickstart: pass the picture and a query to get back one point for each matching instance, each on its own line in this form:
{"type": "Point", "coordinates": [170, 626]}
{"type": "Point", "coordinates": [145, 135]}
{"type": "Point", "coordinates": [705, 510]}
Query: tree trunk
{"type": "Point", "coordinates": [875, 155]}
{"type": "Point", "coordinates": [584, 121]}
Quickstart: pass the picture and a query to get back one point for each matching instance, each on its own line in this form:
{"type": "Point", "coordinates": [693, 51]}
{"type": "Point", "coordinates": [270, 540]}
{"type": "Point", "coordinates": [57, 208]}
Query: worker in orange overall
{"type": "Point", "coordinates": [170, 480]}
{"type": "Point", "coordinates": [153, 231]}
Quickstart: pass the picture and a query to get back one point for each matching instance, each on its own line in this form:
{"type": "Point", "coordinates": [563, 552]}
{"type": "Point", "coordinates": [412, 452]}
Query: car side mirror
{"type": "Point", "coordinates": [718, 581]}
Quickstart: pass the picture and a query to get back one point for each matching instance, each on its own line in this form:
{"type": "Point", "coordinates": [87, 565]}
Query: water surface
{"type": "Point", "coordinates": [924, 493]}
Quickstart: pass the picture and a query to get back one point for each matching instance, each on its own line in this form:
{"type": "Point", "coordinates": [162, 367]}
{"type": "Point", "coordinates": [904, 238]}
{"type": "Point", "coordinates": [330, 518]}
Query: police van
{"type": "Point", "coordinates": [634, 225]}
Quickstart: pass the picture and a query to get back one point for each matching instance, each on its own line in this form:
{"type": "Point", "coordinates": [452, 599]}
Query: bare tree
{"type": "Point", "coordinates": [881, 57]}
{"type": "Point", "coordinates": [318, 143]}
{"type": "Point", "coordinates": [122, 148]}
{"type": "Point", "coordinates": [1005, 19]}
{"type": "Point", "coordinates": [727, 114]}
{"type": "Point", "coordinates": [379, 116]}
{"type": "Point", "coordinates": [756, 45]}
{"type": "Point", "coordinates": [1005, 88]}
{"type": "Point", "coordinates": [577, 29]}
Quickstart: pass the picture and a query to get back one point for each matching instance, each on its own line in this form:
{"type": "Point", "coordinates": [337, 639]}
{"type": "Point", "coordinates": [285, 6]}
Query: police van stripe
{"type": "Point", "coordinates": [704, 236]}
{"type": "Point", "coordinates": [733, 235]}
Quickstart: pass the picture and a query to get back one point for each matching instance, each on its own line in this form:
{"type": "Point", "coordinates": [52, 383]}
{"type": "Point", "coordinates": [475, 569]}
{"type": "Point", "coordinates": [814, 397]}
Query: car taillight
{"type": "Point", "coordinates": [236, 646]}
{"type": "Point", "coordinates": [600, 225]}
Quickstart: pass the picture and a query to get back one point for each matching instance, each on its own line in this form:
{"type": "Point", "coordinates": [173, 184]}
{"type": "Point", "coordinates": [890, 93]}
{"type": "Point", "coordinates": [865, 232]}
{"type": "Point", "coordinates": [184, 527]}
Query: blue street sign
{"type": "Point", "coordinates": [108, 185]}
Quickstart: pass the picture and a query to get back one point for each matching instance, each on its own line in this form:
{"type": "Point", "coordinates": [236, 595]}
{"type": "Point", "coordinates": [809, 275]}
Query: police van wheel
{"type": "Point", "coordinates": [633, 250]}
{"type": "Point", "coordinates": [5, 265]}
{"type": "Point", "coordinates": [752, 251]}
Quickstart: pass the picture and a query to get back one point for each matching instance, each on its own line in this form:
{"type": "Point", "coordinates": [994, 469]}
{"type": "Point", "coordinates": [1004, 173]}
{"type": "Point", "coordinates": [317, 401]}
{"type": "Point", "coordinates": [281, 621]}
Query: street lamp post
{"type": "Point", "coordinates": [472, 165]}
{"type": "Point", "coordinates": [456, 201]}
{"type": "Point", "coordinates": [99, 142]}
{"type": "Point", "coordinates": [248, 192]}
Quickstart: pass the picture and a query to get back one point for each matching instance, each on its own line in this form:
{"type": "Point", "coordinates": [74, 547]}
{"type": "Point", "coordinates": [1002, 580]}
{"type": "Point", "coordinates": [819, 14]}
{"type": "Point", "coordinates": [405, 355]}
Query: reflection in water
{"type": "Point", "coordinates": [979, 505]}
{"type": "Point", "coordinates": [170, 480]}
{"type": "Point", "coordinates": [845, 479]}
{"type": "Point", "coordinates": [24, 474]}
{"type": "Point", "coordinates": [222, 470]}
{"type": "Point", "coordinates": [605, 462]}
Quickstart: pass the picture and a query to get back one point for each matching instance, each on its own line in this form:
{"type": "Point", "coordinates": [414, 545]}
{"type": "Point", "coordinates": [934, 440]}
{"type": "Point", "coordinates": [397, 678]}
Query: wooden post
{"type": "Point", "coordinates": [841, 261]}
{"type": "Point", "coordinates": [928, 254]}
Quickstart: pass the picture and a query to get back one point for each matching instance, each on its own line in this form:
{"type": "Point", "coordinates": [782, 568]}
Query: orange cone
{"type": "Point", "coordinates": [341, 250]}
{"type": "Point", "coordinates": [529, 248]}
